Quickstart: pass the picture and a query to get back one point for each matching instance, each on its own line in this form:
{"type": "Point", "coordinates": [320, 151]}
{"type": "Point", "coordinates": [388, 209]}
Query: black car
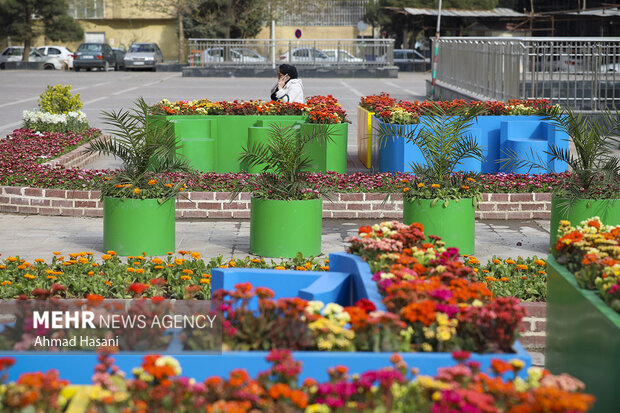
{"type": "Point", "coordinates": [94, 55]}
{"type": "Point", "coordinates": [119, 54]}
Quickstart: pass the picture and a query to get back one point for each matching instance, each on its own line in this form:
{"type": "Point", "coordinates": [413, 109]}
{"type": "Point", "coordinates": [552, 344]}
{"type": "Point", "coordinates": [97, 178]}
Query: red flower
{"type": "Point", "coordinates": [138, 288]}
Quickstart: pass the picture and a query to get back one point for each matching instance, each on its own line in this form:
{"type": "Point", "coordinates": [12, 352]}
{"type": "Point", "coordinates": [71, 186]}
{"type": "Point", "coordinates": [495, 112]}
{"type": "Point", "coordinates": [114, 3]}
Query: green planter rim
{"type": "Point", "coordinates": [590, 295]}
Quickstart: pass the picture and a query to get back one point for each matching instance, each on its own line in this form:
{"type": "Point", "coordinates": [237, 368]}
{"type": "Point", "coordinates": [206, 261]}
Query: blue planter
{"type": "Point", "coordinates": [79, 369]}
{"type": "Point", "coordinates": [495, 134]}
{"type": "Point", "coordinates": [348, 281]}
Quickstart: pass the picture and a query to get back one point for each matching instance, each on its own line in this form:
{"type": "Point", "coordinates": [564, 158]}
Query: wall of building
{"type": "Point", "coordinates": [314, 32]}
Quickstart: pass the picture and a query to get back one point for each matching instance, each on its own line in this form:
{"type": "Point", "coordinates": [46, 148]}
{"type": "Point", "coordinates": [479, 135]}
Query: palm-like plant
{"type": "Point", "coordinates": [285, 161]}
{"type": "Point", "coordinates": [595, 169]}
{"type": "Point", "coordinates": [444, 142]}
{"type": "Point", "coordinates": [147, 146]}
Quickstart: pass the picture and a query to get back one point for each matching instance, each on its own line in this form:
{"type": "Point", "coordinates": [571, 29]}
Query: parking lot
{"type": "Point", "coordinates": [105, 91]}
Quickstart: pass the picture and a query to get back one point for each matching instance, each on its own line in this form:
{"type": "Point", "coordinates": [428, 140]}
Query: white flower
{"type": "Point", "coordinates": [332, 308]}
{"type": "Point", "coordinates": [169, 361]}
{"type": "Point", "coordinates": [314, 307]}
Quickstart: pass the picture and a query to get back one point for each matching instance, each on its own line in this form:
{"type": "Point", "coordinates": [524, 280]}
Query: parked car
{"type": "Point", "coordinates": [409, 60]}
{"type": "Point", "coordinates": [610, 68]}
{"type": "Point", "coordinates": [59, 56]}
{"type": "Point", "coordinates": [339, 55]}
{"type": "Point", "coordinates": [216, 54]}
{"type": "Point", "coordinates": [305, 55]}
{"type": "Point", "coordinates": [119, 57]}
{"type": "Point", "coordinates": [15, 53]}
{"type": "Point", "coordinates": [143, 55]}
{"type": "Point", "coordinates": [94, 55]}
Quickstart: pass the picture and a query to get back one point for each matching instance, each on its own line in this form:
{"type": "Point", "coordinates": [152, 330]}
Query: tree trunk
{"type": "Point", "coordinates": [28, 39]}
{"type": "Point", "coordinates": [181, 37]}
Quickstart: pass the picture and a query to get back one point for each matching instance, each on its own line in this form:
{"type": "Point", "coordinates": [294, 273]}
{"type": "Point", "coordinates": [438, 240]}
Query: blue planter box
{"type": "Point", "coordinates": [495, 134]}
{"type": "Point", "coordinates": [348, 281]}
{"type": "Point", "coordinates": [79, 368]}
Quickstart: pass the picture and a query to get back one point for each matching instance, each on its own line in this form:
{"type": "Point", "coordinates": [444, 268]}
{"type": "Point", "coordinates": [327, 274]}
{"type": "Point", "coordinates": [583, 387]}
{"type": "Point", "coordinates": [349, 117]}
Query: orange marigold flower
{"type": "Point", "coordinates": [406, 189]}
{"type": "Point", "coordinates": [187, 271]}
{"type": "Point", "coordinates": [51, 277]}
{"type": "Point", "coordinates": [152, 181]}
{"type": "Point", "coordinates": [421, 185]}
{"type": "Point", "coordinates": [136, 190]}
{"type": "Point", "coordinates": [471, 180]}
{"type": "Point", "coordinates": [157, 261]}
{"type": "Point", "coordinates": [94, 297]}
{"type": "Point", "coordinates": [509, 261]}
{"type": "Point", "coordinates": [539, 262]}
{"type": "Point", "coordinates": [205, 281]}
{"type": "Point", "coordinates": [521, 267]}
{"type": "Point", "coordinates": [279, 267]}
{"type": "Point", "coordinates": [186, 277]}
{"type": "Point", "coordinates": [435, 186]}
{"type": "Point", "coordinates": [465, 187]}
{"type": "Point", "coordinates": [496, 261]}
{"type": "Point", "coordinates": [91, 273]}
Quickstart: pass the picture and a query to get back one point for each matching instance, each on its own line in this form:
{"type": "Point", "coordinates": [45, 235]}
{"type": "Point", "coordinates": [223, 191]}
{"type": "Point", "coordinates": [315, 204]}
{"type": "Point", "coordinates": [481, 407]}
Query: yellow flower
{"type": "Point", "coordinates": [196, 255]}
{"type": "Point", "coordinates": [509, 261]}
{"type": "Point", "coordinates": [539, 262]}
{"type": "Point", "coordinates": [152, 181]}
{"type": "Point", "coordinates": [106, 257]}
{"type": "Point", "coordinates": [29, 276]}
{"type": "Point", "coordinates": [406, 189]}
{"type": "Point", "coordinates": [136, 190]}
{"type": "Point", "coordinates": [279, 267]}
{"type": "Point", "coordinates": [186, 277]}
{"type": "Point", "coordinates": [157, 261]}
{"type": "Point", "coordinates": [205, 281]}
{"type": "Point", "coordinates": [129, 269]}
{"type": "Point", "coordinates": [421, 185]}
{"type": "Point", "coordinates": [5, 283]}
{"type": "Point", "coordinates": [91, 273]}
{"type": "Point", "coordinates": [435, 186]}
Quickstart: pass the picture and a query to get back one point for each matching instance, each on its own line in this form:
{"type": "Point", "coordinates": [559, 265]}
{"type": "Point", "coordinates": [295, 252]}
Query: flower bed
{"type": "Point", "coordinates": [79, 275]}
{"type": "Point", "coordinates": [157, 385]}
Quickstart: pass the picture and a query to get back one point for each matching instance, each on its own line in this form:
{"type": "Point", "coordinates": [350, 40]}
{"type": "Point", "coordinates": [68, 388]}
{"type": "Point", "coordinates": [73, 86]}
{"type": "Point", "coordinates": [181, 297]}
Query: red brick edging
{"type": "Point", "coordinates": [217, 205]}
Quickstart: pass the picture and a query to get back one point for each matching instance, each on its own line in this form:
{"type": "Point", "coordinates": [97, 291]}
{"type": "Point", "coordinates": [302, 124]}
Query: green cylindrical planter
{"type": "Point", "coordinates": [608, 210]}
{"type": "Point", "coordinates": [284, 228]}
{"type": "Point", "coordinates": [331, 156]}
{"type": "Point", "coordinates": [455, 224]}
{"type": "Point", "coordinates": [257, 134]}
{"type": "Point", "coordinates": [134, 226]}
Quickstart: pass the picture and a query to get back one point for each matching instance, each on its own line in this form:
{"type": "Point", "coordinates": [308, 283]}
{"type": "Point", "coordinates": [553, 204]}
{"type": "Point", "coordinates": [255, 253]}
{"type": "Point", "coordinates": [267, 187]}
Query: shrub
{"type": "Point", "coordinates": [59, 100]}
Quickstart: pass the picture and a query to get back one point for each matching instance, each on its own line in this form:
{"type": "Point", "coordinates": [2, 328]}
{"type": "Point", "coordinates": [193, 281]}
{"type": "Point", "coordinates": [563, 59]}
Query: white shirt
{"type": "Point", "coordinates": [293, 91]}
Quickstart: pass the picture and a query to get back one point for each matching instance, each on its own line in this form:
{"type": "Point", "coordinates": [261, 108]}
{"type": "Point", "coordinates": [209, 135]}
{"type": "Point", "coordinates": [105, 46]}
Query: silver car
{"type": "Point", "coordinates": [143, 55]}
{"type": "Point", "coordinates": [14, 54]}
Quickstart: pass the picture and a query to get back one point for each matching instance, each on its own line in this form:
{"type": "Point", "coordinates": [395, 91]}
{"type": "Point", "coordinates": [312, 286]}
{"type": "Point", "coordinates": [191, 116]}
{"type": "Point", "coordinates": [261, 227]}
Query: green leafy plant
{"type": "Point", "coordinates": [444, 142]}
{"type": "Point", "coordinates": [147, 146]}
{"type": "Point", "coordinates": [59, 100]}
{"type": "Point", "coordinates": [284, 160]}
{"type": "Point", "coordinates": [595, 169]}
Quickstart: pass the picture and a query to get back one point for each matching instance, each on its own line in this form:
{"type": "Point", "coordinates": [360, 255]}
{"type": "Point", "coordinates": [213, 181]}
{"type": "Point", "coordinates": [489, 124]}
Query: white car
{"type": "Point", "coordinates": [305, 55]}
{"type": "Point", "coordinates": [611, 68]}
{"type": "Point", "coordinates": [59, 56]}
{"type": "Point", "coordinates": [14, 54]}
{"type": "Point", "coordinates": [339, 55]}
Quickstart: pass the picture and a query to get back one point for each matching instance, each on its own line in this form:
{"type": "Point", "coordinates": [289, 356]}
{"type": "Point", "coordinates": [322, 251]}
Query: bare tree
{"type": "Point", "coordinates": [173, 8]}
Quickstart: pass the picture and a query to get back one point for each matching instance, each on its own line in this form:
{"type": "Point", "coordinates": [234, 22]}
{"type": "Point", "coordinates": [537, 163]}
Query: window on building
{"type": "Point", "coordinates": [87, 9]}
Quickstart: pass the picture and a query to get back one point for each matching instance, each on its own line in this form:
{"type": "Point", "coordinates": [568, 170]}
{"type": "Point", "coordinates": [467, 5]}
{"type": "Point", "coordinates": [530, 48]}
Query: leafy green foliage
{"type": "Point", "coordinates": [284, 160]}
{"type": "Point", "coordinates": [444, 142]}
{"type": "Point", "coordinates": [52, 21]}
{"type": "Point", "coordinates": [58, 99]}
{"type": "Point", "coordinates": [226, 19]}
{"type": "Point", "coordinates": [147, 146]}
{"type": "Point", "coordinates": [594, 166]}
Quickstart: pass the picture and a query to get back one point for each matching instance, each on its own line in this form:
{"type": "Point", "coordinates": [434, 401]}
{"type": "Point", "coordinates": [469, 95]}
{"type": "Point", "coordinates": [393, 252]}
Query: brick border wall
{"type": "Point", "coordinates": [534, 326]}
{"type": "Point", "coordinates": [76, 158]}
{"type": "Point", "coordinates": [217, 205]}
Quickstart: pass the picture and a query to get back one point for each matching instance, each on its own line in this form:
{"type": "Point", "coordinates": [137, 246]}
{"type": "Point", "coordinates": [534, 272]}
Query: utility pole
{"type": "Point", "coordinates": [436, 52]}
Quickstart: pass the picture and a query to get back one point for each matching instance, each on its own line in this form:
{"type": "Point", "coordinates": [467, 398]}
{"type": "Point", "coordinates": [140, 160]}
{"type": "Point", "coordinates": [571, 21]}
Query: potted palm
{"type": "Point", "coordinates": [437, 196]}
{"type": "Point", "coordinates": [138, 204]}
{"type": "Point", "coordinates": [285, 211]}
{"type": "Point", "coordinates": [592, 185]}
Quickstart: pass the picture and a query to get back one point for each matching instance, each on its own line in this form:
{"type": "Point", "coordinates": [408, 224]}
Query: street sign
{"type": "Point", "coordinates": [298, 33]}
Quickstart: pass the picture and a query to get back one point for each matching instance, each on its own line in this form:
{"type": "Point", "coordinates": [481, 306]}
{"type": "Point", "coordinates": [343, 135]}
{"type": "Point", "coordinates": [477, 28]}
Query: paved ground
{"type": "Point", "coordinates": [37, 236]}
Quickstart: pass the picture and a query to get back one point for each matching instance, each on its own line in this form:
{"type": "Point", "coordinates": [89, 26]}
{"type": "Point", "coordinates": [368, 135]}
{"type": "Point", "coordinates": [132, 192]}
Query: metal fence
{"type": "Point", "coordinates": [307, 53]}
{"type": "Point", "coordinates": [581, 73]}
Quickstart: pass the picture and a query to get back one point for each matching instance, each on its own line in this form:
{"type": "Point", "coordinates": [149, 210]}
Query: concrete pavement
{"type": "Point", "coordinates": [36, 236]}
